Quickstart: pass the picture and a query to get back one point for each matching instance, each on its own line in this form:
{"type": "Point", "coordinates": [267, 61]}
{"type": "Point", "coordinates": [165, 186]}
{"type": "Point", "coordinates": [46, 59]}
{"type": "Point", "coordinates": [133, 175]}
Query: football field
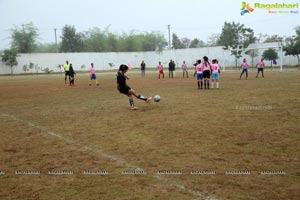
{"type": "Point", "coordinates": [83, 142]}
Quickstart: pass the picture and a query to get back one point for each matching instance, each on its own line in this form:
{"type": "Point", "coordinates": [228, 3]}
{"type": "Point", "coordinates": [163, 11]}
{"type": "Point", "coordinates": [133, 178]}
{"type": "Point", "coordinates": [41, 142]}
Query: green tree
{"type": "Point", "coordinates": [154, 41]}
{"type": "Point", "coordinates": [113, 43]}
{"type": "Point", "coordinates": [149, 42]}
{"type": "Point", "coordinates": [213, 40]}
{"type": "Point", "coordinates": [196, 43]}
{"type": "Point", "coordinates": [270, 54]}
{"type": "Point", "coordinates": [96, 40]}
{"type": "Point", "coordinates": [236, 37]}
{"type": "Point", "coordinates": [176, 42]}
{"type": "Point", "coordinates": [273, 38]}
{"type": "Point", "coordinates": [46, 48]}
{"type": "Point", "coordinates": [292, 47]}
{"type": "Point", "coordinates": [71, 41]}
{"type": "Point", "coordinates": [9, 57]}
{"type": "Point", "coordinates": [131, 42]}
{"type": "Point", "coordinates": [24, 38]}
{"type": "Point", "coordinates": [252, 53]}
{"type": "Point", "coordinates": [186, 42]}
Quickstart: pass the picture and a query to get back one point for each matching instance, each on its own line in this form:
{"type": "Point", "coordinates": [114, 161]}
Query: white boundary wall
{"type": "Point", "coordinates": [102, 60]}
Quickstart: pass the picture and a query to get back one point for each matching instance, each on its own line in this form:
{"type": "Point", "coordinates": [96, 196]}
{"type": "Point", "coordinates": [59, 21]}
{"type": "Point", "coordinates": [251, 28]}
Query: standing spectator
{"type": "Point", "coordinates": [143, 68]}
{"type": "Point", "coordinates": [171, 68]}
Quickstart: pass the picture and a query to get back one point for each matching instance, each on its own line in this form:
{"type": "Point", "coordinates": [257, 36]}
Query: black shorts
{"type": "Point", "coordinates": [125, 89]}
{"type": "Point", "coordinates": [260, 69]}
{"type": "Point", "coordinates": [206, 74]}
{"type": "Point", "coordinates": [67, 73]}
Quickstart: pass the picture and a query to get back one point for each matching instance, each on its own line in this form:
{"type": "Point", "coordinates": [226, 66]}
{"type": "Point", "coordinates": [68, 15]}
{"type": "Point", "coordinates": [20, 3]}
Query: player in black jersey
{"type": "Point", "coordinates": [125, 89]}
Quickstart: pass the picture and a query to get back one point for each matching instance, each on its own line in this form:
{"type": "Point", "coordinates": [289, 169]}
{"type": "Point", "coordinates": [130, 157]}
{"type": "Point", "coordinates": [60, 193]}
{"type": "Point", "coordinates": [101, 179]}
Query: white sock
{"type": "Point", "coordinates": [217, 84]}
{"type": "Point", "coordinates": [212, 84]}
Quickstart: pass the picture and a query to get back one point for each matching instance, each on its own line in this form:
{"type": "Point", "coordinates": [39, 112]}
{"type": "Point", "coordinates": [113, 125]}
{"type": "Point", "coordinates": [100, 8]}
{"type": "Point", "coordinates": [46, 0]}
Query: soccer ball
{"type": "Point", "coordinates": [156, 98]}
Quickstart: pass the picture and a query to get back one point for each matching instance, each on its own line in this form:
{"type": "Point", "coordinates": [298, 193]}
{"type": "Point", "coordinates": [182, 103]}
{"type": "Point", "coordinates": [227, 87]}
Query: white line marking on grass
{"type": "Point", "coordinates": [198, 195]}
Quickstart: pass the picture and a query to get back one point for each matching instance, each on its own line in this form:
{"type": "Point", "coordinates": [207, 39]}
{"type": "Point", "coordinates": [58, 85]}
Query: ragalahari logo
{"type": "Point", "coordinates": [246, 8]}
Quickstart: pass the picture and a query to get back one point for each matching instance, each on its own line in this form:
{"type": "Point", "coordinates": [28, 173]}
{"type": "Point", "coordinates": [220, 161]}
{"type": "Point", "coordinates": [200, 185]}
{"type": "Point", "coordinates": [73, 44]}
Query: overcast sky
{"type": "Point", "coordinates": [188, 18]}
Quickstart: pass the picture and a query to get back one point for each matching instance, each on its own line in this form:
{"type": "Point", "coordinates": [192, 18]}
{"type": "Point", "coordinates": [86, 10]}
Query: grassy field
{"type": "Point", "coordinates": [246, 134]}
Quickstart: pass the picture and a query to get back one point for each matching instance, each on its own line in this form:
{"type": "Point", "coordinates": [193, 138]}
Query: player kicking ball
{"type": "Point", "coordinates": [125, 89]}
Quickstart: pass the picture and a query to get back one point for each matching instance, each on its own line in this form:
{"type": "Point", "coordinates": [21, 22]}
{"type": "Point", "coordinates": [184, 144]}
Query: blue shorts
{"type": "Point", "coordinates": [199, 77]}
{"type": "Point", "coordinates": [93, 77]}
{"type": "Point", "coordinates": [215, 76]}
{"type": "Point", "coordinates": [245, 70]}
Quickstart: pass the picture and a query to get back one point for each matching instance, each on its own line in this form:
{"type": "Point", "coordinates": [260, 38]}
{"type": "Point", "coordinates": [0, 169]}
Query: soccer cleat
{"type": "Point", "coordinates": [148, 99]}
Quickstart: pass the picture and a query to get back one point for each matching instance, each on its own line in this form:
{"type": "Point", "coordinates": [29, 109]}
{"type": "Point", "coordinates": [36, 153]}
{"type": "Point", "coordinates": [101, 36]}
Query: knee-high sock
{"type": "Point", "coordinates": [212, 84]}
{"type": "Point", "coordinates": [217, 84]}
{"type": "Point", "coordinates": [201, 84]}
{"type": "Point", "coordinates": [141, 97]}
{"type": "Point", "coordinates": [207, 81]}
{"type": "Point", "coordinates": [198, 84]}
{"type": "Point", "coordinates": [131, 102]}
{"type": "Point", "coordinates": [204, 84]}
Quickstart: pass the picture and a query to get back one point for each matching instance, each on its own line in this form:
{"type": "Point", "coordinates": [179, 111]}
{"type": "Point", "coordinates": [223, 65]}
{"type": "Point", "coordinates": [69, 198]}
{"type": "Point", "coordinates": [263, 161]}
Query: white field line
{"type": "Point", "coordinates": [197, 194]}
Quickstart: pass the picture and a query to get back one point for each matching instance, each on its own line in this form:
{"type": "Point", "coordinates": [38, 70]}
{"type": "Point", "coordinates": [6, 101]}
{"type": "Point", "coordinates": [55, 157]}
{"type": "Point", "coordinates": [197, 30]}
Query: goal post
{"type": "Point", "coordinates": [268, 46]}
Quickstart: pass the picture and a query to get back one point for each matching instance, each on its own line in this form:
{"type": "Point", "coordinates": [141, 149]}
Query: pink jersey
{"type": "Point", "coordinates": [92, 70]}
{"type": "Point", "coordinates": [206, 66]}
{"type": "Point", "coordinates": [244, 65]}
{"type": "Point", "coordinates": [215, 68]}
{"type": "Point", "coordinates": [160, 67]}
{"type": "Point", "coordinates": [260, 64]}
{"type": "Point", "coordinates": [199, 69]}
{"type": "Point", "coordinates": [184, 66]}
